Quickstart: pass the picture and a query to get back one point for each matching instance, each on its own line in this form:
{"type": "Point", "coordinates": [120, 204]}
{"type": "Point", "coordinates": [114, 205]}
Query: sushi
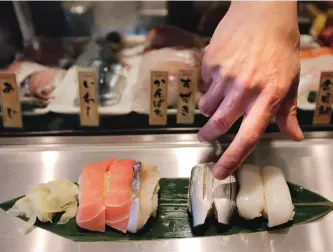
{"type": "Point", "coordinates": [250, 199]}
{"type": "Point", "coordinates": [121, 194]}
{"type": "Point", "coordinates": [207, 194]}
{"type": "Point", "coordinates": [278, 203]}
{"type": "Point", "coordinates": [91, 212]}
{"type": "Point", "coordinates": [200, 196]}
{"type": "Point", "coordinates": [145, 189]}
{"type": "Point", "coordinates": [224, 197]}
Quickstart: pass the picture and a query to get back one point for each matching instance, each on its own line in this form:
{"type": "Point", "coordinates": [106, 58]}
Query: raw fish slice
{"type": "Point", "coordinates": [169, 36]}
{"type": "Point", "coordinates": [91, 212]}
{"type": "Point", "coordinates": [91, 217]}
{"type": "Point", "coordinates": [145, 188]}
{"type": "Point", "coordinates": [224, 195]}
{"type": "Point", "coordinates": [200, 193]}
{"type": "Point", "coordinates": [119, 194]}
{"type": "Point", "coordinates": [250, 198]}
{"type": "Point", "coordinates": [279, 207]}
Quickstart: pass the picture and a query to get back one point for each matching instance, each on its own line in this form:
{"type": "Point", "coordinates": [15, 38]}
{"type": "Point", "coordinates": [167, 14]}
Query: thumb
{"type": "Point", "coordinates": [286, 116]}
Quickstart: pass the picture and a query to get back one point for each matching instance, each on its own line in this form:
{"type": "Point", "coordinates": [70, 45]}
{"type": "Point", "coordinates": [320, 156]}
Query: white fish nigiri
{"type": "Point", "coordinates": [200, 193]}
{"type": "Point", "coordinates": [250, 199]}
{"type": "Point", "coordinates": [279, 207]}
{"type": "Point", "coordinates": [224, 196]}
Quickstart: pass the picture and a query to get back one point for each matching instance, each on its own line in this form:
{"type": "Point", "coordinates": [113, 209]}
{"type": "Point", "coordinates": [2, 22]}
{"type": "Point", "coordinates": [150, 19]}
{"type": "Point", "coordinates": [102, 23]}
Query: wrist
{"type": "Point", "coordinates": [274, 18]}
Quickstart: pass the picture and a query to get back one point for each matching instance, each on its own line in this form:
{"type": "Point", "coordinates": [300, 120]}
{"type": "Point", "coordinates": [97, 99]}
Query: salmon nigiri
{"type": "Point", "coordinates": [91, 211]}
{"type": "Point", "coordinates": [118, 196]}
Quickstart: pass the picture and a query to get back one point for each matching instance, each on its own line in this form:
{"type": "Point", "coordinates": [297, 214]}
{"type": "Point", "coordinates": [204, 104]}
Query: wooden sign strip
{"type": "Point", "coordinates": [88, 91]}
{"type": "Point", "coordinates": [186, 96]}
{"type": "Point", "coordinates": [323, 110]}
{"type": "Point", "coordinates": [10, 101]}
{"type": "Point", "coordinates": [158, 98]}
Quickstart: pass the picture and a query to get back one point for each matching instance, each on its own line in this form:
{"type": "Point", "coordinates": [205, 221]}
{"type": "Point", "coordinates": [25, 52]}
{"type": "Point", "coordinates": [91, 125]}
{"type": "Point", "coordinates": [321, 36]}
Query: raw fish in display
{"type": "Point", "coordinates": [41, 80]}
{"type": "Point", "coordinates": [169, 36]}
{"type": "Point", "coordinates": [278, 204]}
{"type": "Point", "coordinates": [167, 59]}
{"type": "Point", "coordinates": [250, 198]}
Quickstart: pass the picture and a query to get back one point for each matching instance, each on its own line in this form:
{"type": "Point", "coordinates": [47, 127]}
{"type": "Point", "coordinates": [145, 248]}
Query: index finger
{"type": "Point", "coordinates": [248, 136]}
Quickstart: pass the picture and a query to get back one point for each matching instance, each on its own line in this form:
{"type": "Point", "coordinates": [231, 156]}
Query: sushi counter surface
{"type": "Point", "coordinates": [29, 161]}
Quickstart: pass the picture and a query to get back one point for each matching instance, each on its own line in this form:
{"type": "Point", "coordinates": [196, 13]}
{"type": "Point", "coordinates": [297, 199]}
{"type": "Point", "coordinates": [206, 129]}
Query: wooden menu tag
{"type": "Point", "coordinates": [323, 110]}
{"type": "Point", "coordinates": [88, 98]}
{"type": "Point", "coordinates": [158, 98]}
{"type": "Point", "coordinates": [10, 101]}
{"type": "Point", "coordinates": [186, 97]}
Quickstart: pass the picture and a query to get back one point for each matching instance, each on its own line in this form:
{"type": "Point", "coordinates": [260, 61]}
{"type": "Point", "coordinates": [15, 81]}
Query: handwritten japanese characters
{"type": "Point", "coordinates": [186, 98]}
{"type": "Point", "coordinates": [10, 102]}
{"type": "Point", "coordinates": [323, 110]}
{"type": "Point", "coordinates": [88, 99]}
{"type": "Point", "coordinates": [158, 98]}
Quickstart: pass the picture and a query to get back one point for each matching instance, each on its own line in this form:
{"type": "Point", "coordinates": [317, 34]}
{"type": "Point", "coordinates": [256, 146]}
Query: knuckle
{"type": "Point", "coordinates": [204, 107]}
{"type": "Point", "coordinates": [251, 138]}
{"type": "Point", "coordinates": [221, 123]}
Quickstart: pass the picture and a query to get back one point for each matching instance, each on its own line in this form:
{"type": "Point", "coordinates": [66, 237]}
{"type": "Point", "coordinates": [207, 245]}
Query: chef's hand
{"type": "Point", "coordinates": [252, 67]}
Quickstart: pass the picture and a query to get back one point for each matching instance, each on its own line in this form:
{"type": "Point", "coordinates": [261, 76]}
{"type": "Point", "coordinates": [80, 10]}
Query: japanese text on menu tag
{"type": "Point", "coordinates": [186, 98]}
{"type": "Point", "coordinates": [88, 99]}
{"type": "Point", "coordinates": [323, 110]}
{"type": "Point", "coordinates": [10, 102]}
{"type": "Point", "coordinates": [158, 98]}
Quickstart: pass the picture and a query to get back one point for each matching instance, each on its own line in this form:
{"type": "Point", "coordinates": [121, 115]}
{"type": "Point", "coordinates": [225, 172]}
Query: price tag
{"type": "Point", "coordinates": [186, 97]}
{"type": "Point", "coordinates": [323, 110]}
{"type": "Point", "coordinates": [10, 101]}
{"type": "Point", "coordinates": [158, 98]}
{"type": "Point", "coordinates": [88, 98]}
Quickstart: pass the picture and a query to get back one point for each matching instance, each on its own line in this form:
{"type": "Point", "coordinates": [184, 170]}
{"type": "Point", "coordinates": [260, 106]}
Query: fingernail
{"type": "Point", "coordinates": [205, 114]}
{"type": "Point", "coordinates": [220, 172]}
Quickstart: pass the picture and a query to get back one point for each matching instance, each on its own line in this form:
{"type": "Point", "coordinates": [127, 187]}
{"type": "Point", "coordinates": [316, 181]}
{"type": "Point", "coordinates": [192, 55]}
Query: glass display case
{"type": "Point", "coordinates": [116, 40]}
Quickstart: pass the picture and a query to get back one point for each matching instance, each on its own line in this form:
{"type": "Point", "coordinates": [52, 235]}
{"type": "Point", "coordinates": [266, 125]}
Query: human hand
{"type": "Point", "coordinates": [252, 68]}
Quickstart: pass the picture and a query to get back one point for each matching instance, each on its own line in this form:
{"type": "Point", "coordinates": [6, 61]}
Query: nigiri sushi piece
{"type": "Point", "coordinates": [200, 196]}
{"type": "Point", "coordinates": [279, 207]}
{"type": "Point", "coordinates": [145, 188]}
{"type": "Point", "coordinates": [91, 212]}
{"type": "Point", "coordinates": [118, 194]}
{"type": "Point", "coordinates": [250, 199]}
{"type": "Point", "coordinates": [224, 198]}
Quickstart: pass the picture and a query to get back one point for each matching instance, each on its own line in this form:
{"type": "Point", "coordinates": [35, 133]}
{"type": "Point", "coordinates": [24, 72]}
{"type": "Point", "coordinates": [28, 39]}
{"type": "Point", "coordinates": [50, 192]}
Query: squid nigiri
{"type": "Point", "coordinates": [279, 207]}
{"type": "Point", "coordinates": [250, 199]}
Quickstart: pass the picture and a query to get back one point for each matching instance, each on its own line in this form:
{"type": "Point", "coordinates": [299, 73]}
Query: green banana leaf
{"type": "Point", "coordinates": [173, 220]}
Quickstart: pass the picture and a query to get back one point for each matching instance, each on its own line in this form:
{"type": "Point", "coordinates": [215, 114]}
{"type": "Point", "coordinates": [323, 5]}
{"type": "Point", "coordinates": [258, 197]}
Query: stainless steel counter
{"type": "Point", "coordinates": [28, 161]}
